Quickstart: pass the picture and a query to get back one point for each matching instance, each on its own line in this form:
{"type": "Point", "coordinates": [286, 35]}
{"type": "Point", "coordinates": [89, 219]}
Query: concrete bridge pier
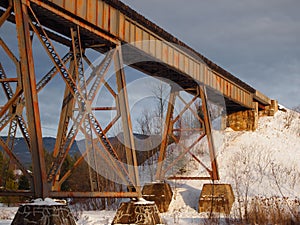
{"type": "Point", "coordinates": [140, 211]}
{"type": "Point", "coordinates": [159, 192]}
{"type": "Point", "coordinates": [45, 212]}
{"type": "Point", "coordinates": [157, 197]}
{"type": "Point", "coordinates": [247, 120]}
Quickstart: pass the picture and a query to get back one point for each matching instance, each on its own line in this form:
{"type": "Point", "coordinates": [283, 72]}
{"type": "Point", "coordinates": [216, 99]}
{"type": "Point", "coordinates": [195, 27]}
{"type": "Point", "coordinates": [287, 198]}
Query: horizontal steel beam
{"type": "Point", "coordinates": [74, 194]}
{"type": "Point", "coordinates": [16, 193]}
{"type": "Point", "coordinates": [8, 80]}
{"type": "Point", "coordinates": [77, 194]}
{"type": "Point", "coordinates": [188, 178]}
{"type": "Point", "coordinates": [110, 23]}
{"type": "Point", "coordinates": [261, 98]}
{"type": "Point", "coordinates": [113, 21]}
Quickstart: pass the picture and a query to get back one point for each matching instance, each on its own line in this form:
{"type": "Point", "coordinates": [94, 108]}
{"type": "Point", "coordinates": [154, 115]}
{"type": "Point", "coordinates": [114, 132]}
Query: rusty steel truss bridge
{"type": "Point", "coordinates": [112, 29]}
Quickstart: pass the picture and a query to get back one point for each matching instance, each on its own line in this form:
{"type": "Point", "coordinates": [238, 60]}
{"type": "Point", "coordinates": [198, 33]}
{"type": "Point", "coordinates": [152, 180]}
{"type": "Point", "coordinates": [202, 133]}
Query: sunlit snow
{"type": "Point", "coordinates": [268, 159]}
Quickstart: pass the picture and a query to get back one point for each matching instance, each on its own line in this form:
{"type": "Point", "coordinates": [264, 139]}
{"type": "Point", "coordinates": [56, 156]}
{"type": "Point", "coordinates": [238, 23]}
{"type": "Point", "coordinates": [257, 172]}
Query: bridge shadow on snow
{"type": "Point", "coordinates": [189, 194]}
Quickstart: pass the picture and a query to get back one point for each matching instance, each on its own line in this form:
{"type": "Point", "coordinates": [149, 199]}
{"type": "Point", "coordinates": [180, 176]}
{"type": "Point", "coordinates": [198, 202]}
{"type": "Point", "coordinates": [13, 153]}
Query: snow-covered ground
{"type": "Point", "coordinates": [7, 214]}
{"type": "Point", "coordinates": [261, 163]}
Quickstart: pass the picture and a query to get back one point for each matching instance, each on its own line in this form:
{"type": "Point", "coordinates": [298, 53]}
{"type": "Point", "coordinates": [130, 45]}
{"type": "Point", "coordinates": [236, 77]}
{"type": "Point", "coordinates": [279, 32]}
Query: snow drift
{"type": "Point", "coordinates": [260, 164]}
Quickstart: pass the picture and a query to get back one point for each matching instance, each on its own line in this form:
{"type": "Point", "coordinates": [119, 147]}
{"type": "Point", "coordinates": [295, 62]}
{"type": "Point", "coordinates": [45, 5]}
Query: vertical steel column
{"type": "Point", "coordinates": [65, 115]}
{"type": "Point", "coordinates": [31, 99]}
{"type": "Point", "coordinates": [167, 129]}
{"type": "Point", "coordinates": [207, 124]}
{"type": "Point", "coordinates": [126, 121]}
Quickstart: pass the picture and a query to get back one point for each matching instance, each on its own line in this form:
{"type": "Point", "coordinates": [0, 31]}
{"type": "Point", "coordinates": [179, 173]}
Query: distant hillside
{"type": "Point", "coordinates": [21, 150]}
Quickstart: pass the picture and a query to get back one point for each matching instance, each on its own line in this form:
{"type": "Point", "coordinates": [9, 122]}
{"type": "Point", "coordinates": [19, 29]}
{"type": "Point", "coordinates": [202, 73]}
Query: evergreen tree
{"type": "Point", "coordinates": [67, 164]}
{"type": "Point", "coordinates": [12, 185]}
{"type": "Point", "coordinates": [1, 168]}
{"type": "Point", "coordinates": [23, 183]}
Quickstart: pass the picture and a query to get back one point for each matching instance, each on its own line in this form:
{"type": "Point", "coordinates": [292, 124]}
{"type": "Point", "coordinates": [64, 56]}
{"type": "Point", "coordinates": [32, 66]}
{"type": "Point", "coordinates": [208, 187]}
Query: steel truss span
{"type": "Point", "coordinates": [120, 37]}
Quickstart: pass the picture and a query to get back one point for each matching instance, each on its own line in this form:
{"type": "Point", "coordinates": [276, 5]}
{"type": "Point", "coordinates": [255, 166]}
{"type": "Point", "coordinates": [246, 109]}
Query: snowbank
{"type": "Point", "coordinates": [260, 163]}
{"type": "Point", "coordinates": [46, 201]}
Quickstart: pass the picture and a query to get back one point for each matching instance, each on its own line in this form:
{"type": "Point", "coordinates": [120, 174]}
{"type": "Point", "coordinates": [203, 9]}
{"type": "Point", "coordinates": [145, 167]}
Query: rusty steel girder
{"type": "Point", "coordinates": [28, 84]}
{"type": "Point", "coordinates": [46, 22]}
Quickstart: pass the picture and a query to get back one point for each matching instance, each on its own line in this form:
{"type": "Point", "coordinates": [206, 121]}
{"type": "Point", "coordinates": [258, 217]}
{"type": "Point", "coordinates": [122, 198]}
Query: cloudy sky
{"type": "Point", "coordinates": [256, 40]}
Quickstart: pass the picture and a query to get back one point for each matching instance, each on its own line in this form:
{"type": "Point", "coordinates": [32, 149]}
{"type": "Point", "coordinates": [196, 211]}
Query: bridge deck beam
{"type": "Point", "coordinates": [116, 25]}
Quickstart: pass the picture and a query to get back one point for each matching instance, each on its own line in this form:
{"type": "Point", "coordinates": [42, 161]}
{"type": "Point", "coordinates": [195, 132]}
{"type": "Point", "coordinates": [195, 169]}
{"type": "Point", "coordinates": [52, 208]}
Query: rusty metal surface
{"type": "Point", "coordinates": [260, 97]}
{"type": "Point", "coordinates": [16, 193]}
{"type": "Point", "coordinates": [76, 194]}
{"type": "Point", "coordinates": [104, 14]}
{"type": "Point", "coordinates": [163, 168]}
{"type": "Point", "coordinates": [208, 130]}
{"type": "Point", "coordinates": [118, 21]}
{"type": "Point", "coordinates": [131, 29]}
{"type": "Point", "coordinates": [123, 105]}
{"type": "Point", "coordinates": [31, 102]}
{"type": "Point", "coordinates": [101, 25]}
{"type": "Point", "coordinates": [168, 127]}
{"type": "Point", "coordinates": [188, 178]}
{"type": "Point", "coordinates": [132, 14]}
{"type": "Point", "coordinates": [4, 80]}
